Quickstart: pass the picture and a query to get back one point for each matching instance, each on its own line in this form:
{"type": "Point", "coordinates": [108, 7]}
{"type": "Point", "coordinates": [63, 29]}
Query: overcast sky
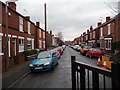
{"type": "Point", "coordinates": [71, 17]}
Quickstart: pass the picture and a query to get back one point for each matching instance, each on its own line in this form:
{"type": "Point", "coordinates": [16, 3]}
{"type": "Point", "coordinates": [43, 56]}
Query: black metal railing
{"type": "Point", "coordinates": [85, 76]}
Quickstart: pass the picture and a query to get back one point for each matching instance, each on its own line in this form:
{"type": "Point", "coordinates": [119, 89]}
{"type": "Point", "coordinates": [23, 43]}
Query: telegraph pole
{"type": "Point", "coordinates": [45, 26]}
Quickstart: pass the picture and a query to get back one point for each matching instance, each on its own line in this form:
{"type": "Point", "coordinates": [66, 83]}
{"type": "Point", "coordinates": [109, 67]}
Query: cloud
{"type": "Point", "coordinates": [71, 17]}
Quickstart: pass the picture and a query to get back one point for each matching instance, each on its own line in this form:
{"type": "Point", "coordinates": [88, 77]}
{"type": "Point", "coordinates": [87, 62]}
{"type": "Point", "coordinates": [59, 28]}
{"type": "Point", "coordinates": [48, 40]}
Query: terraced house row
{"type": "Point", "coordinates": [103, 35]}
{"type": "Point", "coordinates": [23, 35]}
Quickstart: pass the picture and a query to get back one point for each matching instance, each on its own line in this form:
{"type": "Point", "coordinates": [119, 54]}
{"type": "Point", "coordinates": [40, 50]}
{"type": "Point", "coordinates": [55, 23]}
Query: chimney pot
{"type": "Point", "coordinates": [12, 5]}
{"type": "Point", "coordinates": [91, 28]}
{"type": "Point", "coordinates": [99, 24]}
{"type": "Point", "coordinates": [38, 24]}
{"type": "Point", "coordinates": [107, 19]}
{"type": "Point", "coordinates": [50, 32]}
{"type": "Point", "coordinates": [27, 17]}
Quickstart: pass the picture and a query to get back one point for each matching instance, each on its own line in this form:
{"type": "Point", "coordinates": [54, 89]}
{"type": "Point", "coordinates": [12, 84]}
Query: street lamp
{"type": "Point", "coordinates": [6, 11]}
{"type": "Point", "coordinates": [45, 26]}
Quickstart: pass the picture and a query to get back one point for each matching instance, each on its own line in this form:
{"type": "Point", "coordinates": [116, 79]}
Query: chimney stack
{"type": "Point", "coordinates": [91, 28]}
{"type": "Point", "coordinates": [12, 5]}
{"type": "Point", "coordinates": [99, 24]}
{"type": "Point", "coordinates": [107, 19]}
{"type": "Point", "coordinates": [50, 32]}
{"type": "Point", "coordinates": [27, 17]}
{"type": "Point", "coordinates": [38, 24]}
{"type": "Point", "coordinates": [88, 31]}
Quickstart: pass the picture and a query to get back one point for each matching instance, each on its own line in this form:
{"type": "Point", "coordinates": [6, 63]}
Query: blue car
{"type": "Point", "coordinates": [45, 60]}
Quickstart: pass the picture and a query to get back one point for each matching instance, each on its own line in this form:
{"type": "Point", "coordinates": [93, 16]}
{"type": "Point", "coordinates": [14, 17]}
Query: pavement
{"type": "Point", "coordinates": [15, 74]}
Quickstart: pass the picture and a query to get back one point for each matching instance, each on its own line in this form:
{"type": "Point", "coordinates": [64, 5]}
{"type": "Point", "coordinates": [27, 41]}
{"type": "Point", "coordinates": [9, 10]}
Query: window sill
{"type": "Point", "coordinates": [1, 54]}
{"type": "Point", "coordinates": [21, 50]}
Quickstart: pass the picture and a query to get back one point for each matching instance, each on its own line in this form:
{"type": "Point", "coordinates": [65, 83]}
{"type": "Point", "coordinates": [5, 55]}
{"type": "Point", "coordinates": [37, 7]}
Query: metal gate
{"type": "Point", "coordinates": [85, 76]}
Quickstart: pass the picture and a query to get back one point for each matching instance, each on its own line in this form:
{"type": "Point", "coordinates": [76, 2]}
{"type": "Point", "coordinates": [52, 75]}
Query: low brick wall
{"type": "Point", "coordinates": [20, 58]}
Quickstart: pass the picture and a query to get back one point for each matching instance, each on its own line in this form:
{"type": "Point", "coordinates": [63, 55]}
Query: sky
{"type": "Point", "coordinates": [70, 17]}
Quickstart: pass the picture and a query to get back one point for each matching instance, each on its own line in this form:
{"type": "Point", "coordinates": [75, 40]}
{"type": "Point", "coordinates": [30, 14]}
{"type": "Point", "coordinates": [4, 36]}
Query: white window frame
{"type": "Point", "coordinates": [108, 29]}
{"type": "Point", "coordinates": [40, 44]}
{"type": "Point", "coordinates": [43, 44]}
{"type": "Point", "coordinates": [108, 40]}
{"type": "Point", "coordinates": [32, 43]}
{"type": "Point", "coordinates": [29, 27]}
{"type": "Point", "coordinates": [93, 34]}
{"type": "Point", "coordinates": [44, 35]}
{"type": "Point", "coordinates": [22, 44]}
{"type": "Point", "coordinates": [9, 46]}
{"type": "Point", "coordinates": [21, 24]}
{"type": "Point", "coordinates": [1, 45]}
{"type": "Point", "coordinates": [86, 37]}
{"type": "Point", "coordinates": [101, 32]}
{"type": "Point", "coordinates": [40, 33]}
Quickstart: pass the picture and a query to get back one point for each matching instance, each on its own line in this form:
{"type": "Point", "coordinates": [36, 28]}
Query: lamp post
{"type": "Point", "coordinates": [45, 26]}
{"type": "Point", "coordinates": [7, 48]}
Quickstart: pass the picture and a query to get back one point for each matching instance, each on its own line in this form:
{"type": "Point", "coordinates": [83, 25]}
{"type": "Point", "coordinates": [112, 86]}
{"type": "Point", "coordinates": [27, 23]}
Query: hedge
{"type": "Point", "coordinates": [115, 45]}
{"type": "Point", "coordinates": [28, 53]}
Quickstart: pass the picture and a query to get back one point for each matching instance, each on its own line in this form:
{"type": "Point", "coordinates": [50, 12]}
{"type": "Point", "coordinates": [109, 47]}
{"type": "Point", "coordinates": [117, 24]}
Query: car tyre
{"type": "Point", "coordinates": [57, 63]}
{"type": "Point", "coordinates": [90, 56]}
{"type": "Point", "coordinates": [52, 67]}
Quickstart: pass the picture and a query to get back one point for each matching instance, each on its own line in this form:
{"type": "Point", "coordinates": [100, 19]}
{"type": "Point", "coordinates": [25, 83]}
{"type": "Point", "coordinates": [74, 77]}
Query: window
{"type": "Point", "coordinates": [29, 44]}
{"type": "Point", "coordinates": [0, 44]}
{"type": "Point", "coordinates": [21, 45]}
{"type": "Point", "coordinates": [21, 24]}
{"type": "Point", "coordinates": [93, 34]}
{"type": "Point", "coordinates": [39, 33]}
{"type": "Point", "coordinates": [108, 44]}
{"type": "Point", "coordinates": [9, 46]}
{"type": "Point", "coordinates": [40, 44]}
{"type": "Point", "coordinates": [101, 32]}
{"type": "Point", "coordinates": [90, 35]}
{"type": "Point", "coordinates": [86, 37]}
{"type": "Point", "coordinates": [43, 44]}
{"type": "Point", "coordinates": [32, 43]}
{"type": "Point", "coordinates": [43, 34]}
{"type": "Point", "coordinates": [108, 29]}
{"type": "Point", "coordinates": [28, 27]}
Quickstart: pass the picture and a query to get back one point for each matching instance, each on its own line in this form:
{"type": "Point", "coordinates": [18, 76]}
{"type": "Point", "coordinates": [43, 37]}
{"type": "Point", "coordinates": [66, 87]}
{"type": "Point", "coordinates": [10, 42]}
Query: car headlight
{"type": "Point", "coordinates": [47, 63]}
{"type": "Point", "coordinates": [31, 65]}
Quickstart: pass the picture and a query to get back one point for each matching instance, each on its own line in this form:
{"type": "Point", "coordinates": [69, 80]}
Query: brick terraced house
{"type": "Point", "coordinates": [23, 35]}
{"type": "Point", "coordinates": [103, 35]}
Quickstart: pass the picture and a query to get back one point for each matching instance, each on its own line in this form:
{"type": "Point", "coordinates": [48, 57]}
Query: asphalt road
{"type": "Point", "coordinates": [60, 77]}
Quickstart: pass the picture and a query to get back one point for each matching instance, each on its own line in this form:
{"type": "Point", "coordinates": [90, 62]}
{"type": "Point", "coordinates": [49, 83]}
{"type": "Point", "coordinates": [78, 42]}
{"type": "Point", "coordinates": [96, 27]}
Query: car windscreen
{"type": "Point", "coordinates": [96, 50]}
{"type": "Point", "coordinates": [43, 55]}
{"type": "Point", "coordinates": [87, 46]}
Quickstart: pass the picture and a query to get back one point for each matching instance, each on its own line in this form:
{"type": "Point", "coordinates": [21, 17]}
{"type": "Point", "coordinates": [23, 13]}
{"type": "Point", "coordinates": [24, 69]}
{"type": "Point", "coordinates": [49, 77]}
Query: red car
{"type": "Point", "coordinates": [94, 53]}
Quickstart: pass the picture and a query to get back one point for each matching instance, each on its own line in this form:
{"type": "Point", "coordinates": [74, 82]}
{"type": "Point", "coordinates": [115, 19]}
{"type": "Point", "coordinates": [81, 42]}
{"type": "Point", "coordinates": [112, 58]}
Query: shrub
{"type": "Point", "coordinates": [29, 52]}
{"type": "Point", "coordinates": [115, 45]}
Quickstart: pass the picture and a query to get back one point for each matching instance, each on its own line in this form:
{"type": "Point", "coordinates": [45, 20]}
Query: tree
{"type": "Point", "coordinates": [60, 38]}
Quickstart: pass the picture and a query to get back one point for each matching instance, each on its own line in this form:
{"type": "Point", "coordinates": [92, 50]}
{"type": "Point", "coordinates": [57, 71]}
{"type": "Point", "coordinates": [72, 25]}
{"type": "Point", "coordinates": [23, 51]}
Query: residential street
{"type": "Point", "coordinates": [60, 77]}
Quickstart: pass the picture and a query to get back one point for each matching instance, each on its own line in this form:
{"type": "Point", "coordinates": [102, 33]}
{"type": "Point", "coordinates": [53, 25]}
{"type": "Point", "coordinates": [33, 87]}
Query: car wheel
{"type": "Point", "coordinates": [52, 67]}
{"type": "Point", "coordinates": [57, 63]}
{"type": "Point", "coordinates": [90, 56]}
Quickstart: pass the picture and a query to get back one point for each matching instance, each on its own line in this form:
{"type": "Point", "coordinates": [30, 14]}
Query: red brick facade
{"type": "Point", "coordinates": [104, 34]}
{"type": "Point", "coordinates": [23, 35]}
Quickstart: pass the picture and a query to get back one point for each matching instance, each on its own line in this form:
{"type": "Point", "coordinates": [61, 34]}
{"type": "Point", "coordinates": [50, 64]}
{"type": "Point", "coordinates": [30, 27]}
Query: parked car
{"type": "Point", "coordinates": [93, 52]}
{"type": "Point", "coordinates": [45, 60]}
{"type": "Point", "coordinates": [84, 49]}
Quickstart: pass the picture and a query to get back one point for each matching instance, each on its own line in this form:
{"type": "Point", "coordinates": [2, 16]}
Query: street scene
{"type": "Point", "coordinates": [60, 77]}
{"type": "Point", "coordinates": [52, 44]}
